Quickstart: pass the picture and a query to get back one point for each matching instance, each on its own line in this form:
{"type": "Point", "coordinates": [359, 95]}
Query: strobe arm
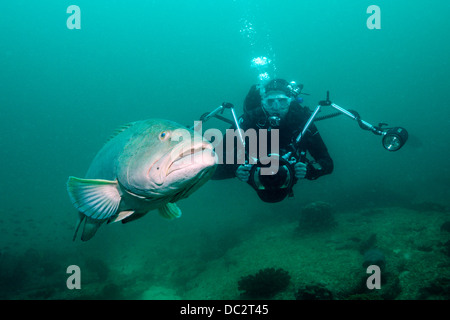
{"type": "Point", "coordinates": [362, 124]}
{"type": "Point", "coordinates": [393, 138]}
{"type": "Point", "coordinates": [217, 113]}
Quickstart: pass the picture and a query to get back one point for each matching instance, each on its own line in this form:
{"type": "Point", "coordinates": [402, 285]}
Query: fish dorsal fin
{"type": "Point", "coordinates": [96, 198]}
{"type": "Point", "coordinates": [170, 211]}
{"type": "Point", "coordinates": [120, 129]}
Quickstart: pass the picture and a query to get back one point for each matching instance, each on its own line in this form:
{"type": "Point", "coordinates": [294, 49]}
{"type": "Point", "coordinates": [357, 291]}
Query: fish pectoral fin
{"type": "Point", "coordinates": [170, 211]}
{"type": "Point", "coordinates": [97, 199]}
{"type": "Point", "coordinates": [122, 215]}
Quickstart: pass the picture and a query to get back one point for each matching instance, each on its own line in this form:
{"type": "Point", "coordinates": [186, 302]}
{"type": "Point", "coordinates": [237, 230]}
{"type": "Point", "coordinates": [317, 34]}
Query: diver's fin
{"type": "Point", "coordinates": [97, 199]}
{"type": "Point", "coordinates": [90, 228]}
{"type": "Point", "coordinates": [170, 211]}
{"type": "Point", "coordinates": [122, 215]}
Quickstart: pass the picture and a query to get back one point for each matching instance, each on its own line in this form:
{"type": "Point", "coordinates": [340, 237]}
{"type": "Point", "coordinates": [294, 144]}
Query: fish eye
{"type": "Point", "coordinates": [163, 135]}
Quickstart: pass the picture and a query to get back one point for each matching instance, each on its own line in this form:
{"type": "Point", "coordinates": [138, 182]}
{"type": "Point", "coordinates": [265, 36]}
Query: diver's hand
{"type": "Point", "coordinates": [243, 172]}
{"type": "Point", "coordinates": [300, 170]}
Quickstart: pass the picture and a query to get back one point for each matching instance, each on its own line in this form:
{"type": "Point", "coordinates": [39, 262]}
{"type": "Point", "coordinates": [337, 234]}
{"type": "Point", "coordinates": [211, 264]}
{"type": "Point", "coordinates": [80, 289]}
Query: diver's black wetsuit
{"type": "Point", "coordinates": [289, 128]}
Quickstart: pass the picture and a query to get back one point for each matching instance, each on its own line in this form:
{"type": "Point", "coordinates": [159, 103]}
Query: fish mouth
{"type": "Point", "coordinates": [201, 153]}
{"type": "Point", "coordinates": [184, 155]}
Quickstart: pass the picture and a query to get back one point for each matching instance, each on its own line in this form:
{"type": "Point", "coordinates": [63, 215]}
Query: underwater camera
{"type": "Point", "coordinates": [276, 185]}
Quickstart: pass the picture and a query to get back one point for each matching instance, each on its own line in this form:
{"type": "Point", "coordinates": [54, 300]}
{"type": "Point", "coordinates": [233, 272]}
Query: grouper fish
{"type": "Point", "coordinates": [145, 165]}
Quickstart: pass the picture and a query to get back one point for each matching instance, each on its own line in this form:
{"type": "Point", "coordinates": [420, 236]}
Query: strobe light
{"type": "Point", "coordinates": [395, 138]}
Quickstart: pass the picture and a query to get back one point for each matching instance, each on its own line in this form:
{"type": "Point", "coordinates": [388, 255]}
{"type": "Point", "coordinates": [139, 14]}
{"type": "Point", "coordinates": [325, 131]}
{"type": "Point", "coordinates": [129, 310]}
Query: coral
{"type": "Point", "coordinates": [264, 284]}
{"type": "Point", "coordinates": [313, 292]}
{"type": "Point", "coordinates": [316, 216]}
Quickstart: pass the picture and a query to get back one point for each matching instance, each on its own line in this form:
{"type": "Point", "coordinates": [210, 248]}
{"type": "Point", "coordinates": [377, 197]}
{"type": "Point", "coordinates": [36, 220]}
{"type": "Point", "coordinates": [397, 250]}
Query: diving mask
{"type": "Point", "coordinates": [276, 104]}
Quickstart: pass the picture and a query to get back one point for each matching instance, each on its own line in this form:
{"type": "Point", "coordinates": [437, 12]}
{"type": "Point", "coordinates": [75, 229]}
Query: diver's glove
{"type": "Point", "coordinates": [300, 170]}
{"type": "Point", "coordinates": [243, 172]}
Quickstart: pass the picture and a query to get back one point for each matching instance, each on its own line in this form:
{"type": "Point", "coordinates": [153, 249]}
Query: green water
{"type": "Point", "coordinates": [64, 91]}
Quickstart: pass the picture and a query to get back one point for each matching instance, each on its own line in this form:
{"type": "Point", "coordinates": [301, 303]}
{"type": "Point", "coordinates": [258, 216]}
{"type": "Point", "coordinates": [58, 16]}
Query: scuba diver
{"type": "Point", "coordinates": [276, 105]}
